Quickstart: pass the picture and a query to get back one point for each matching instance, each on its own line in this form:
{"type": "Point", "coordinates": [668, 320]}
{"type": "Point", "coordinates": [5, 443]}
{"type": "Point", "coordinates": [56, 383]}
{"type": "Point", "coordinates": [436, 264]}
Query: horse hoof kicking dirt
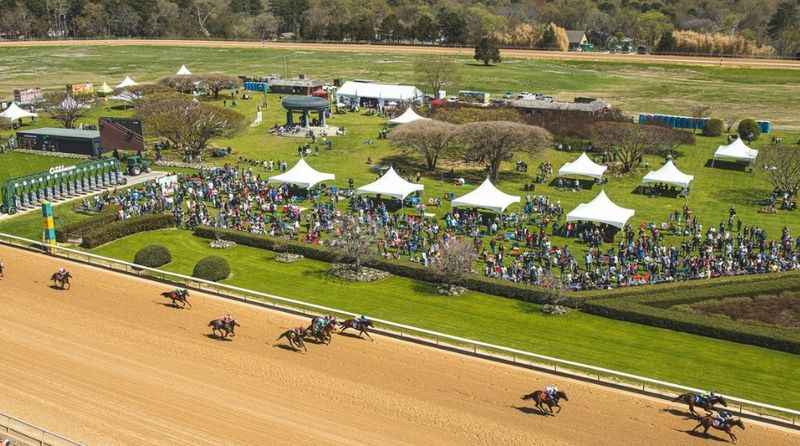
{"type": "Point", "coordinates": [295, 338]}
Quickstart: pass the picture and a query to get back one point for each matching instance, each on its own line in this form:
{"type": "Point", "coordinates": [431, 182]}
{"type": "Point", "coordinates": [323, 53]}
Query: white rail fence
{"type": "Point", "coordinates": [31, 434]}
{"type": "Point", "coordinates": [753, 409]}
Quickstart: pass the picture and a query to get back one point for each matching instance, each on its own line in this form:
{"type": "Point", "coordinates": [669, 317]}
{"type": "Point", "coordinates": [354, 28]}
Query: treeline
{"type": "Point", "coordinates": [763, 26]}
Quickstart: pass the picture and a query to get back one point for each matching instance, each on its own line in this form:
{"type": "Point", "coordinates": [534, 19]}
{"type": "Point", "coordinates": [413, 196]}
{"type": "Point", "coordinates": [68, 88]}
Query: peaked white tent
{"type": "Point", "coordinates": [668, 174]}
{"type": "Point", "coordinates": [582, 167]}
{"type": "Point", "coordinates": [407, 117]}
{"type": "Point", "coordinates": [127, 82]}
{"type": "Point", "coordinates": [736, 151]}
{"type": "Point", "coordinates": [486, 196]}
{"type": "Point", "coordinates": [391, 185]}
{"type": "Point", "coordinates": [601, 210]}
{"type": "Point", "coordinates": [105, 89]}
{"type": "Point", "coordinates": [302, 175]}
{"type": "Point", "coordinates": [15, 113]}
{"type": "Point", "coordinates": [381, 92]}
{"type": "Point", "coordinates": [183, 71]}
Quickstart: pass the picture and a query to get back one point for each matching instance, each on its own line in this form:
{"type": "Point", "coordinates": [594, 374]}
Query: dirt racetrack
{"type": "Point", "coordinates": [108, 363]}
{"type": "Point", "coordinates": [407, 49]}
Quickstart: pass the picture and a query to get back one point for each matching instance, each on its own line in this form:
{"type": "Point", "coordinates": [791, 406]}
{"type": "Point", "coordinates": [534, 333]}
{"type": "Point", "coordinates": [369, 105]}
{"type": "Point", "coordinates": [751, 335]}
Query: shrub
{"type": "Point", "coordinates": [77, 230]}
{"type": "Point", "coordinates": [153, 256]}
{"type": "Point", "coordinates": [213, 268]}
{"type": "Point", "coordinates": [124, 228]}
{"type": "Point", "coordinates": [714, 127]}
{"type": "Point", "coordinates": [748, 129]}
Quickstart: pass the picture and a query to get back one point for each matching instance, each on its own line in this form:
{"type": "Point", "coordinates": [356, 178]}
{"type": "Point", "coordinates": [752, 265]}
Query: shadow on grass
{"type": "Point", "coordinates": [745, 196]}
{"type": "Point", "coordinates": [582, 184]}
{"type": "Point", "coordinates": [726, 165]}
{"type": "Point", "coordinates": [528, 307]}
{"type": "Point", "coordinates": [645, 191]}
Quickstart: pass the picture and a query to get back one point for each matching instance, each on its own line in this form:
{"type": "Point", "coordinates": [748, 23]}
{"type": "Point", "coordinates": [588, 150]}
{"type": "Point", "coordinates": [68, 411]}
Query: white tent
{"type": "Point", "coordinates": [601, 210]}
{"type": "Point", "coordinates": [127, 82]}
{"type": "Point", "coordinates": [183, 71]}
{"type": "Point", "coordinates": [582, 167]}
{"type": "Point", "coordinates": [408, 116]}
{"type": "Point", "coordinates": [486, 196]}
{"type": "Point", "coordinates": [105, 89]}
{"type": "Point", "coordinates": [391, 185]}
{"type": "Point", "coordinates": [14, 113]}
{"type": "Point", "coordinates": [125, 96]}
{"type": "Point", "coordinates": [302, 175]}
{"type": "Point", "coordinates": [380, 92]}
{"type": "Point", "coordinates": [736, 151]}
{"type": "Point", "coordinates": [668, 174]}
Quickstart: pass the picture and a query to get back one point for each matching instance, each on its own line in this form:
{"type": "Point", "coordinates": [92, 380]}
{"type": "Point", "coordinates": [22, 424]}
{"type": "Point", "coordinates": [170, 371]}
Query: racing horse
{"type": "Point", "coordinates": [704, 402]}
{"type": "Point", "coordinates": [708, 421]}
{"type": "Point", "coordinates": [2, 268]}
{"type": "Point", "coordinates": [362, 325]}
{"type": "Point", "coordinates": [295, 338]}
{"type": "Point", "coordinates": [61, 280]}
{"type": "Point", "coordinates": [321, 329]}
{"type": "Point", "coordinates": [179, 298]}
{"type": "Point", "coordinates": [221, 328]}
{"type": "Point", "coordinates": [541, 398]}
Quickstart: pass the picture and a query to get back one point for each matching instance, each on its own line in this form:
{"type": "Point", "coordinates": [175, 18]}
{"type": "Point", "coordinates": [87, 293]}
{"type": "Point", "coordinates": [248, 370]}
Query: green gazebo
{"type": "Point", "coordinates": [305, 105]}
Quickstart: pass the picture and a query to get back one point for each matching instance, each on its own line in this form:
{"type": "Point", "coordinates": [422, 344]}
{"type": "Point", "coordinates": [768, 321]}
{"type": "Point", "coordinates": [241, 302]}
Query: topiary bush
{"type": "Point", "coordinates": [714, 127]}
{"type": "Point", "coordinates": [153, 256]}
{"type": "Point", "coordinates": [213, 268]}
{"type": "Point", "coordinates": [749, 130]}
{"type": "Point", "coordinates": [110, 232]}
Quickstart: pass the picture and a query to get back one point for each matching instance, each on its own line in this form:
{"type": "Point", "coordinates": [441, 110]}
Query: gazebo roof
{"type": "Point", "coordinates": [305, 103]}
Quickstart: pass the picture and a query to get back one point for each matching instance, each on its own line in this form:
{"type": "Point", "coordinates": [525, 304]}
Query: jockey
{"type": "Point", "coordinates": [552, 392]}
{"type": "Point", "coordinates": [362, 320]}
{"type": "Point", "coordinates": [227, 318]}
{"type": "Point", "coordinates": [723, 417]}
{"type": "Point", "coordinates": [62, 271]}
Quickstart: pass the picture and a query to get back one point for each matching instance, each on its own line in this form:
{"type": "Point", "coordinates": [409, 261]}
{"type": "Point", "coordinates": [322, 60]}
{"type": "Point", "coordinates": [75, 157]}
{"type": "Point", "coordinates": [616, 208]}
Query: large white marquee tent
{"type": "Point", "coordinates": [183, 71]}
{"type": "Point", "coordinates": [354, 91]}
{"type": "Point", "coordinates": [15, 113]}
{"type": "Point", "coordinates": [127, 82]}
{"type": "Point", "coordinates": [736, 151]}
{"type": "Point", "coordinates": [601, 210]}
{"type": "Point", "coordinates": [407, 117]}
{"type": "Point", "coordinates": [302, 175]}
{"type": "Point", "coordinates": [390, 184]}
{"type": "Point", "coordinates": [486, 196]}
{"type": "Point", "coordinates": [669, 174]}
{"type": "Point", "coordinates": [582, 167]}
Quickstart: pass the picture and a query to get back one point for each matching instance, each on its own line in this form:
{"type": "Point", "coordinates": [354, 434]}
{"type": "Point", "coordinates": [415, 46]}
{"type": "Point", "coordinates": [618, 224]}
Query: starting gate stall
{"type": "Point", "coordinates": [59, 183]}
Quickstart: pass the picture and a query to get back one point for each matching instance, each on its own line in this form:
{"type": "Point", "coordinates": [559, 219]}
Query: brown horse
{"type": "Point", "coordinates": [179, 298]}
{"type": "Point", "coordinates": [704, 402]}
{"type": "Point", "coordinates": [295, 338]}
{"type": "Point", "coordinates": [708, 421]}
{"type": "Point", "coordinates": [541, 398]}
{"type": "Point", "coordinates": [61, 280]}
{"type": "Point", "coordinates": [362, 325]}
{"type": "Point", "coordinates": [321, 329]}
{"type": "Point", "coordinates": [221, 328]}
{"type": "Point", "coordinates": [2, 268]}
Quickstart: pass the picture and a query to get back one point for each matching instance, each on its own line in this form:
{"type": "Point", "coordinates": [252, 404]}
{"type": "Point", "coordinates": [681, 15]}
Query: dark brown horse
{"type": "Point", "coordinates": [361, 325]}
{"type": "Point", "coordinates": [179, 298]}
{"type": "Point", "coordinates": [295, 338]}
{"type": "Point", "coordinates": [321, 329]}
{"type": "Point", "coordinates": [704, 402]}
{"type": "Point", "coordinates": [541, 398]}
{"type": "Point", "coordinates": [61, 280]}
{"type": "Point", "coordinates": [708, 421]}
{"type": "Point", "coordinates": [221, 328]}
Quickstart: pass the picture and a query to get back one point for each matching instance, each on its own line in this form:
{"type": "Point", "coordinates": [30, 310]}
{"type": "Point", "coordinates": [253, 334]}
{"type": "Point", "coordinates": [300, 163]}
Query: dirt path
{"type": "Point", "coordinates": [108, 363]}
{"type": "Point", "coordinates": [388, 49]}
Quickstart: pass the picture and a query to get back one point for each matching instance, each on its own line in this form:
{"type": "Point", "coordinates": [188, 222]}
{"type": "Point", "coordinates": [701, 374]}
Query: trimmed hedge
{"type": "Point", "coordinates": [107, 233]}
{"type": "Point", "coordinates": [714, 127]}
{"type": "Point", "coordinates": [399, 268]}
{"type": "Point", "coordinates": [153, 256]}
{"type": "Point", "coordinates": [77, 230]}
{"type": "Point", "coordinates": [213, 268]}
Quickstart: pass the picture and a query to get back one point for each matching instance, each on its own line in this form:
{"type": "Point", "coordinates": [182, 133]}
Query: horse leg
{"type": "Point", "coordinates": [695, 428]}
{"type": "Point", "coordinates": [367, 333]}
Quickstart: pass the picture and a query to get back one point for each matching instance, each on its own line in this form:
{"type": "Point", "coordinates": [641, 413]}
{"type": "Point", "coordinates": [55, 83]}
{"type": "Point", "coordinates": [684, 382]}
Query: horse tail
{"type": "Point", "coordinates": [683, 398]}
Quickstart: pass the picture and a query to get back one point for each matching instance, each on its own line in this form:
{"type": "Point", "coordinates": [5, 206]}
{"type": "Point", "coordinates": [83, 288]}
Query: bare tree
{"type": "Point", "coordinates": [429, 138]}
{"type": "Point", "coordinates": [700, 111]}
{"type": "Point", "coordinates": [493, 142]}
{"type": "Point", "coordinates": [437, 73]}
{"type": "Point", "coordinates": [186, 124]}
{"type": "Point", "coordinates": [217, 82]}
{"type": "Point", "coordinates": [204, 10]}
{"type": "Point", "coordinates": [354, 241]}
{"type": "Point", "coordinates": [65, 108]}
{"type": "Point", "coordinates": [628, 142]}
{"type": "Point", "coordinates": [666, 140]}
{"type": "Point", "coordinates": [455, 259]}
{"type": "Point", "coordinates": [782, 164]}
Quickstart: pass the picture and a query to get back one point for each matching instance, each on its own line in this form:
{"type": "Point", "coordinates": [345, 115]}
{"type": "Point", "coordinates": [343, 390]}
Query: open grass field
{"type": "Point", "coordinates": [634, 348]}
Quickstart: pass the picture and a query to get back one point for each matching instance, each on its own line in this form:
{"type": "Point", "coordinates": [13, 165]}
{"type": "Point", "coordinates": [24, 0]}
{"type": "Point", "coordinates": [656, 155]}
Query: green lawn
{"type": "Point", "coordinates": [737, 369]}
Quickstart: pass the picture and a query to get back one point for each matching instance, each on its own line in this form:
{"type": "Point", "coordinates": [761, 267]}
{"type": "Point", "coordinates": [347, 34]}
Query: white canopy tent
{"type": "Point", "coordinates": [302, 175]}
{"type": "Point", "coordinates": [601, 210]}
{"type": "Point", "coordinates": [127, 82]}
{"type": "Point", "coordinates": [383, 93]}
{"type": "Point", "coordinates": [736, 151]}
{"type": "Point", "coordinates": [486, 196]}
{"type": "Point", "coordinates": [669, 174]}
{"type": "Point", "coordinates": [183, 71]}
{"type": "Point", "coordinates": [582, 167]}
{"type": "Point", "coordinates": [391, 185]}
{"type": "Point", "coordinates": [105, 89]}
{"type": "Point", "coordinates": [15, 113]}
{"type": "Point", "coordinates": [407, 117]}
